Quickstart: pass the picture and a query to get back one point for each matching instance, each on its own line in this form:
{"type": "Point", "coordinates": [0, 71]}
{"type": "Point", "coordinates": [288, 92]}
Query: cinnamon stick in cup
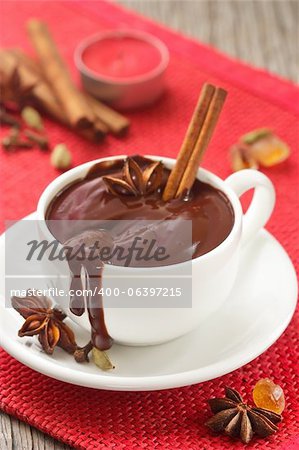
{"type": "Point", "coordinates": [202, 142]}
{"type": "Point", "coordinates": [197, 138]}
{"type": "Point", "coordinates": [189, 141]}
{"type": "Point", "coordinates": [75, 106]}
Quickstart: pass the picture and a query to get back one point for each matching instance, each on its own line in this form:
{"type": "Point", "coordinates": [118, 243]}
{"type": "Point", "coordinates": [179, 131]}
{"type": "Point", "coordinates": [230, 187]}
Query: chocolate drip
{"type": "Point", "coordinates": [99, 335]}
{"type": "Point", "coordinates": [77, 305]}
{"type": "Point", "coordinates": [82, 253]}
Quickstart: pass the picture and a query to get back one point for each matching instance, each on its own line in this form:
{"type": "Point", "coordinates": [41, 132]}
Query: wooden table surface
{"type": "Point", "coordinates": [263, 33]}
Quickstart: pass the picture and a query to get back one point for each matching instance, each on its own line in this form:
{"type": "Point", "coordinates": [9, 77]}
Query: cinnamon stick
{"type": "Point", "coordinates": [197, 138]}
{"type": "Point", "coordinates": [107, 119]}
{"type": "Point", "coordinates": [116, 122]}
{"type": "Point", "coordinates": [204, 138]}
{"type": "Point", "coordinates": [27, 86]}
{"type": "Point", "coordinates": [40, 95]}
{"type": "Point", "coordinates": [96, 133]}
{"type": "Point", "coordinates": [83, 111]}
{"type": "Point", "coordinates": [75, 106]}
{"type": "Point", "coordinates": [26, 60]}
{"type": "Point", "coordinates": [7, 67]}
{"type": "Point", "coordinates": [24, 80]}
{"type": "Point", "coordinates": [189, 141]}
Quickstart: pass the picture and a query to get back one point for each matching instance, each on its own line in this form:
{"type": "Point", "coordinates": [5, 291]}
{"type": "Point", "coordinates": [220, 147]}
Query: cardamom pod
{"type": "Point", "coordinates": [61, 157]}
{"type": "Point", "coordinates": [101, 359]}
{"type": "Point", "coordinates": [32, 118]}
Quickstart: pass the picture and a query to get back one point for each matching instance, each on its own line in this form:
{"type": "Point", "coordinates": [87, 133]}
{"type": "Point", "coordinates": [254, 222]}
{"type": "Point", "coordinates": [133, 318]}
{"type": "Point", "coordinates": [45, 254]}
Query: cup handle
{"type": "Point", "coordinates": [262, 204]}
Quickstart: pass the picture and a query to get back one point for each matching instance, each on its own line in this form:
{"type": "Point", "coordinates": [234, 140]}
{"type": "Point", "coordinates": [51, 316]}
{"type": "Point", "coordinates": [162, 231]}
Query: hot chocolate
{"type": "Point", "coordinates": [123, 190]}
{"type": "Point", "coordinates": [208, 208]}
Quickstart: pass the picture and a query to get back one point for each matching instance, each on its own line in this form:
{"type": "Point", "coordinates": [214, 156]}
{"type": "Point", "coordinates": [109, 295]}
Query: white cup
{"type": "Point", "coordinates": [213, 274]}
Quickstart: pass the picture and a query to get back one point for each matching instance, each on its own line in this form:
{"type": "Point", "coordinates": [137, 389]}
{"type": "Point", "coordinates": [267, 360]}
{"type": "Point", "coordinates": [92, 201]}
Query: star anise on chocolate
{"type": "Point", "coordinates": [237, 419]}
{"type": "Point", "coordinates": [46, 322]}
{"type": "Point", "coordinates": [136, 180]}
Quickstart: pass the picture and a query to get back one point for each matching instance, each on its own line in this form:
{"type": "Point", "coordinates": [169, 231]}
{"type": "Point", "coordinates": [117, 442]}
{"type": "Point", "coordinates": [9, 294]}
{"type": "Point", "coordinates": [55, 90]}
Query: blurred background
{"type": "Point", "coordinates": [263, 33]}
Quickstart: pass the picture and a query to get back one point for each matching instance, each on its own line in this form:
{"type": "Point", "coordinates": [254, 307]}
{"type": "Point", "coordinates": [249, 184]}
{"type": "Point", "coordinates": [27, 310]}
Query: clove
{"type": "Point", "coordinates": [13, 141]}
{"type": "Point", "coordinates": [8, 119]}
{"type": "Point", "coordinates": [81, 353]}
{"type": "Point", "coordinates": [100, 358]}
{"type": "Point", "coordinates": [35, 138]}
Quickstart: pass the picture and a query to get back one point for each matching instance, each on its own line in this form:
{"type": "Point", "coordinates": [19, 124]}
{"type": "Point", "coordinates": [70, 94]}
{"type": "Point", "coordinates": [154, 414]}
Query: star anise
{"type": "Point", "coordinates": [136, 180]}
{"type": "Point", "coordinates": [44, 321]}
{"type": "Point", "coordinates": [22, 89]}
{"type": "Point", "coordinates": [237, 419]}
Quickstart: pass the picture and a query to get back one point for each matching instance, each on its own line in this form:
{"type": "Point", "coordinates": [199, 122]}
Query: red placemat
{"type": "Point", "coordinates": [173, 419]}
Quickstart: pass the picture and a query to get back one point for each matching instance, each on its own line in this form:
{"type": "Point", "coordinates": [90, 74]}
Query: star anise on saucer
{"type": "Point", "coordinates": [237, 419]}
{"type": "Point", "coordinates": [46, 322]}
{"type": "Point", "coordinates": [21, 89]}
{"type": "Point", "coordinates": [136, 180]}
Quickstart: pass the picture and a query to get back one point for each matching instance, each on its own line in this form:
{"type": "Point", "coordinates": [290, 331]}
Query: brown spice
{"type": "Point", "coordinates": [81, 353]}
{"type": "Point", "coordinates": [8, 119]}
{"type": "Point", "coordinates": [100, 358]}
{"type": "Point", "coordinates": [237, 419]}
{"type": "Point", "coordinates": [53, 67]}
{"type": "Point", "coordinates": [45, 322]}
{"type": "Point", "coordinates": [189, 141]}
{"type": "Point", "coordinates": [135, 180]}
{"type": "Point", "coordinates": [197, 138]}
{"type": "Point", "coordinates": [14, 141]}
{"type": "Point", "coordinates": [22, 81]}
{"type": "Point", "coordinates": [41, 140]}
{"type": "Point", "coordinates": [114, 121]}
{"type": "Point", "coordinates": [202, 142]}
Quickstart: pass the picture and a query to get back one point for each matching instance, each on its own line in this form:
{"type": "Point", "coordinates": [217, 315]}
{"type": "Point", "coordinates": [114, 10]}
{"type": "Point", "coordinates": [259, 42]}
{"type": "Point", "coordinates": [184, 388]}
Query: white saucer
{"type": "Point", "coordinates": [255, 315]}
